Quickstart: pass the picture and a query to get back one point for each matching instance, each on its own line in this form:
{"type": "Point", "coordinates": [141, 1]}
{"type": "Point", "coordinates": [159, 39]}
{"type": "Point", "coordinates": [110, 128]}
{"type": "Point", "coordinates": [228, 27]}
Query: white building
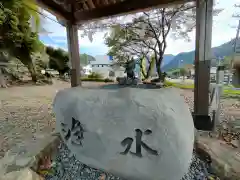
{"type": "Point", "coordinates": [87, 70]}
{"type": "Point", "coordinates": [213, 71]}
{"type": "Point", "coordinates": [103, 65]}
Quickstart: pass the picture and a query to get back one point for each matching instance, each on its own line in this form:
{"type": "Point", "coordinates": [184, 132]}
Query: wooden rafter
{"type": "Point", "coordinates": [85, 6]}
{"type": "Point", "coordinates": [97, 3]}
{"type": "Point", "coordinates": [72, 2]}
{"type": "Point", "coordinates": [55, 8]}
{"type": "Point", "coordinates": [123, 7]}
{"type": "Point", "coordinates": [91, 4]}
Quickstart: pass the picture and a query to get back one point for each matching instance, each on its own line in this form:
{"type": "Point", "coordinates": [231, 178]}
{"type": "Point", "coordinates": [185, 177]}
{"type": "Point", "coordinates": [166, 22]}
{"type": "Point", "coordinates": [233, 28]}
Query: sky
{"type": "Point", "coordinates": [224, 29]}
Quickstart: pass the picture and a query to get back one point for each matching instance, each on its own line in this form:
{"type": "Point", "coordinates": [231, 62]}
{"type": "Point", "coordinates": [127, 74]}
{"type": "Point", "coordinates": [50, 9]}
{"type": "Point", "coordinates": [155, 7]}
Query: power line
{"type": "Point", "coordinates": [43, 15]}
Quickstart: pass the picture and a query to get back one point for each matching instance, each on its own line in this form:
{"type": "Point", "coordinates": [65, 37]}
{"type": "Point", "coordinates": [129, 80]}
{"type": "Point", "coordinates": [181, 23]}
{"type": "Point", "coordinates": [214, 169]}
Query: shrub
{"type": "Point", "coordinates": [168, 83]}
{"type": "Point", "coordinates": [97, 80]}
{"type": "Point", "coordinates": [108, 80]}
{"type": "Point", "coordinates": [178, 85]}
{"type": "Point", "coordinates": [95, 75]}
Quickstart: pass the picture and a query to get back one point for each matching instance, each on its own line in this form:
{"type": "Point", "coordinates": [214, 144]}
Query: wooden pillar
{"type": "Point", "coordinates": [74, 56]}
{"type": "Point", "coordinates": [202, 62]}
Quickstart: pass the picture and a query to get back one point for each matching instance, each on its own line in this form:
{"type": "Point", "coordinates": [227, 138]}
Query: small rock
{"type": "Point", "coordinates": [24, 174]}
{"type": "Point", "coordinates": [23, 161]}
{"type": "Point", "coordinates": [235, 143]}
{"type": "Point", "coordinates": [102, 177]}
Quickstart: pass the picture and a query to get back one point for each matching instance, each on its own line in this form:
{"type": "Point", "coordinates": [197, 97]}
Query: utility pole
{"type": "Point", "coordinates": [179, 66]}
{"type": "Point", "coordinates": [235, 46]}
{"type": "Point", "coordinates": [236, 49]}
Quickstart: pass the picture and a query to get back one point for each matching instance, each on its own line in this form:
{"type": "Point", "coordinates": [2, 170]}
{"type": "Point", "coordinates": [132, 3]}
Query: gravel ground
{"type": "Point", "coordinates": [66, 167]}
{"type": "Point", "coordinates": [229, 112]}
{"type": "Point", "coordinates": [26, 111]}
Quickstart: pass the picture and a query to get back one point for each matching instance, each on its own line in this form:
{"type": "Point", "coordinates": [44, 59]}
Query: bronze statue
{"type": "Point", "coordinates": [129, 69]}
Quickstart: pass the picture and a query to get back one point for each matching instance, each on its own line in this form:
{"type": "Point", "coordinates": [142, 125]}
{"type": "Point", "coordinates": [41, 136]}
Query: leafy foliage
{"type": "Point", "coordinates": [85, 59]}
{"type": "Point", "coordinates": [16, 36]}
{"type": "Point", "coordinates": [237, 13]}
{"type": "Point", "coordinates": [95, 75]}
{"type": "Point", "coordinates": [106, 80]}
{"type": "Point", "coordinates": [183, 72]}
{"type": "Point", "coordinates": [58, 60]}
{"type": "Point", "coordinates": [147, 34]}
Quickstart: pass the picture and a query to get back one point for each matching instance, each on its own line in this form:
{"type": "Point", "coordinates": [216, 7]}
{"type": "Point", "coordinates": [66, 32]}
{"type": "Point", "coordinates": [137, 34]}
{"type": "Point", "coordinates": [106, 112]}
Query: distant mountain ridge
{"type": "Point", "coordinates": [167, 58]}
{"type": "Point", "coordinates": [185, 58]}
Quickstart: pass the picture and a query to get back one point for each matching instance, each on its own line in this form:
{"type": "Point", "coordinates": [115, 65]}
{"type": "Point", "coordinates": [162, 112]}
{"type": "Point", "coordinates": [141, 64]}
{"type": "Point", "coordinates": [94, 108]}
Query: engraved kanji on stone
{"type": "Point", "coordinates": [75, 134]}
{"type": "Point", "coordinates": [139, 144]}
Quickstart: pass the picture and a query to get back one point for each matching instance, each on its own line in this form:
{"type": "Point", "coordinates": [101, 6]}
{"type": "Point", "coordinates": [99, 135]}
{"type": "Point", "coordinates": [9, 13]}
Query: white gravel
{"type": "Point", "coordinates": [66, 167]}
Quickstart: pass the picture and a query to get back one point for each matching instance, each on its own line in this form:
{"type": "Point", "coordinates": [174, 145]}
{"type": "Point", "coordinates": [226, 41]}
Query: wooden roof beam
{"type": "Point", "coordinates": [123, 7]}
{"type": "Point", "coordinates": [56, 9]}
{"type": "Point", "coordinates": [91, 4]}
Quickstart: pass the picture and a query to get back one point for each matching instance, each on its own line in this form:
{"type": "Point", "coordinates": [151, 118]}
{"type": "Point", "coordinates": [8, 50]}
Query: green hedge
{"type": "Point", "coordinates": [226, 91]}
{"type": "Point", "coordinates": [178, 85]}
{"type": "Point", "coordinates": [95, 75]}
{"type": "Point", "coordinates": [97, 79]}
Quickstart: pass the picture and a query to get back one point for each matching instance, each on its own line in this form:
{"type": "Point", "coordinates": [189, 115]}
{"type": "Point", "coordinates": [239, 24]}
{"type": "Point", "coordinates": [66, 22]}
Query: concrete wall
{"type": "Point", "coordinates": [102, 69]}
{"type": "Point", "coordinates": [101, 65]}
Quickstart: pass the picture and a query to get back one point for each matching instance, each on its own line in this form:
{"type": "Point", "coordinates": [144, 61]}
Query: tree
{"type": "Point", "coordinates": [16, 36]}
{"type": "Point", "coordinates": [85, 59]}
{"type": "Point", "coordinates": [146, 35]}
{"type": "Point", "coordinates": [58, 60]}
{"type": "Point", "coordinates": [237, 13]}
{"type": "Point", "coordinates": [123, 51]}
{"type": "Point", "coordinates": [227, 62]}
{"type": "Point", "coordinates": [183, 72]}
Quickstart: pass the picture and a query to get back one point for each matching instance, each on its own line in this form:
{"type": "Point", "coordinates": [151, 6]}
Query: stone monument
{"type": "Point", "coordinates": [134, 133]}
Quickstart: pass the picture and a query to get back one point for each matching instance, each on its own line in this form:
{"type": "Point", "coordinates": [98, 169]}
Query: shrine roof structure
{"type": "Point", "coordinates": [78, 11]}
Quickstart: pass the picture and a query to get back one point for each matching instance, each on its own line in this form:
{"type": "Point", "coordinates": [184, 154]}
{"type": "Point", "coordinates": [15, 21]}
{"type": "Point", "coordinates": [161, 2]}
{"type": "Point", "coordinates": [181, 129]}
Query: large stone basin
{"type": "Point", "coordinates": [134, 133]}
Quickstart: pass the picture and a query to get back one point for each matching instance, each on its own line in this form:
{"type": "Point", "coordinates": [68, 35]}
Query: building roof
{"type": "Point", "coordinates": [78, 11]}
{"type": "Point", "coordinates": [102, 59]}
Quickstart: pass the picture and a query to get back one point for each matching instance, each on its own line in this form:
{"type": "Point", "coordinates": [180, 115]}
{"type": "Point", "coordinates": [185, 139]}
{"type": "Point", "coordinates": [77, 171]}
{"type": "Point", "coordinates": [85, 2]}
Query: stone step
{"type": "Point", "coordinates": [225, 159]}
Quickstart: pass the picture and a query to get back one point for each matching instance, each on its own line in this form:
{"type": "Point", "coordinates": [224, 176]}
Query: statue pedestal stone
{"type": "Point", "coordinates": [137, 134]}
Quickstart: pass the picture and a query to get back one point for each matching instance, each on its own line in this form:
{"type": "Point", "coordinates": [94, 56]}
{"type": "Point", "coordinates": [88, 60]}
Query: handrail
{"type": "Point", "coordinates": [215, 97]}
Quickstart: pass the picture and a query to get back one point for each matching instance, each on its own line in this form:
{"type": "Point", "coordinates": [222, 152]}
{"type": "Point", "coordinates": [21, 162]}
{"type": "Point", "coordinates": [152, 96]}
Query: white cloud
{"type": "Point", "coordinates": [222, 30]}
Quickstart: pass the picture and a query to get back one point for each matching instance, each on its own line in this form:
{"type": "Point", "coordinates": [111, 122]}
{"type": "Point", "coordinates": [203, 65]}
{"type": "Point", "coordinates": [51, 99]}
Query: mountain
{"type": "Point", "coordinates": [188, 57]}
{"type": "Point", "coordinates": [166, 59]}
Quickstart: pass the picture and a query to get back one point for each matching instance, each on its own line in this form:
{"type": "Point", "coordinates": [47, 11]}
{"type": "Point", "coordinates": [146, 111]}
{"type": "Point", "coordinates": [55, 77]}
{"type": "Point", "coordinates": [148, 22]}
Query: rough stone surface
{"type": "Point", "coordinates": [225, 160]}
{"type": "Point", "coordinates": [110, 115]}
{"type": "Point", "coordinates": [24, 174]}
{"type": "Point", "coordinates": [28, 154]}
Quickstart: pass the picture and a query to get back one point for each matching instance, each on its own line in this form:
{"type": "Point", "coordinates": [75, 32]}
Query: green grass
{"type": "Point", "coordinates": [179, 85]}
{"type": "Point", "coordinates": [227, 91]}
{"type": "Point", "coordinates": [231, 92]}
